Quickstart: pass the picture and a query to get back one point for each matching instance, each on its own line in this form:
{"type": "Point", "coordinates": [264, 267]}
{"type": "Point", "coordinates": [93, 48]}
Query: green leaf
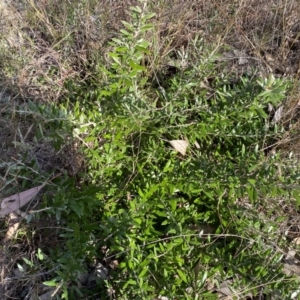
{"type": "Point", "coordinates": [128, 26]}
{"type": "Point", "coordinates": [149, 16]}
{"type": "Point", "coordinates": [117, 41]}
{"type": "Point", "coordinates": [182, 275]}
{"type": "Point", "coordinates": [252, 181]}
{"type": "Point", "coordinates": [243, 150]}
{"type": "Point", "coordinates": [50, 283]}
{"type": "Point", "coordinates": [138, 221]}
{"type": "Point", "coordinates": [136, 9]}
{"type": "Point", "coordinates": [126, 33]}
{"type": "Point", "coordinates": [77, 208]}
{"type": "Point", "coordinates": [130, 282]}
{"type": "Point", "coordinates": [28, 262]}
{"type": "Point", "coordinates": [177, 241]}
{"type": "Point", "coordinates": [135, 66]}
{"type": "Point", "coordinates": [40, 255]}
{"type": "Point", "coordinates": [261, 112]}
{"type": "Point", "coordinates": [115, 57]}
{"type": "Point", "coordinates": [143, 272]}
{"type": "Point", "coordinates": [146, 27]}
{"type": "Point", "coordinates": [143, 44]}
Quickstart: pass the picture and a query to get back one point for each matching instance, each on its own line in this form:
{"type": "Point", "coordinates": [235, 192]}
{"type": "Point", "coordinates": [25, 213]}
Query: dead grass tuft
{"type": "Point", "coordinates": [49, 44]}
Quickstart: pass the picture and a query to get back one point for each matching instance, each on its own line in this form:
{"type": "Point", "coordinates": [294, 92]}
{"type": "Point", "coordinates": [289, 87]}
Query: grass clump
{"type": "Point", "coordinates": [160, 182]}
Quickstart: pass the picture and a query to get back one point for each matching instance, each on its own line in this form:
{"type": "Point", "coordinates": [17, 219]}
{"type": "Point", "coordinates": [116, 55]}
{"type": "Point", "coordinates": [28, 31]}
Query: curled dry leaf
{"type": "Point", "coordinates": [296, 241]}
{"type": "Point", "coordinates": [13, 225]}
{"type": "Point", "coordinates": [16, 201]}
{"type": "Point", "coordinates": [278, 115]}
{"type": "Point", "coordinates": [180, 146]}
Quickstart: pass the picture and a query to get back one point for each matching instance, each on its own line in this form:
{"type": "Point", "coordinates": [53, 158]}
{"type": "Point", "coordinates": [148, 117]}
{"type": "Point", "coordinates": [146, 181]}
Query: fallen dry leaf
{"type": "Point", "coordinates": [180, 146]}
{"type": "Point", "coordinates": [278, 115]}
{"type": "Point", "coordinates": [16, 201]}
{"type": "Point", "coordinates": [13, 225]}
{"type": "Point", "coordinates": [296, 241]}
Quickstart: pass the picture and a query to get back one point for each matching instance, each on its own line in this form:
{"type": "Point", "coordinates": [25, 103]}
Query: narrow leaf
{"type": "Point", "coordinates": [182, 275]}
{"type": "Point", "coordinates": [49, 283]}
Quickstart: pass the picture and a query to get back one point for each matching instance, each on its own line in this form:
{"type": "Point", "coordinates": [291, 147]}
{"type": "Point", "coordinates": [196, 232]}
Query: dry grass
{"type": "Point", "coordinates": [46, 44]}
